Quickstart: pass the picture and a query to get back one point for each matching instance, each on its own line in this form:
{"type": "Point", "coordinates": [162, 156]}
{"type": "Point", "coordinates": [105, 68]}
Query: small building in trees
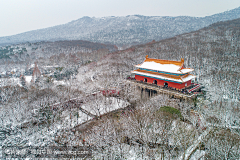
{"type": "Point", "coordinates": [165, 73]}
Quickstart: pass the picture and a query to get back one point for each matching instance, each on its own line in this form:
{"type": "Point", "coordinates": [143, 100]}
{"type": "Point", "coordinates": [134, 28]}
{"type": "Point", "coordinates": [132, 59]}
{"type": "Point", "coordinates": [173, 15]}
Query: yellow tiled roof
{"type": "Point", "coordinates": [162, 61]}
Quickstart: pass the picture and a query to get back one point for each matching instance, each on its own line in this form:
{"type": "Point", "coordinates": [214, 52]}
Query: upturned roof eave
{"type": "Point", "coordinates": [180, 79]}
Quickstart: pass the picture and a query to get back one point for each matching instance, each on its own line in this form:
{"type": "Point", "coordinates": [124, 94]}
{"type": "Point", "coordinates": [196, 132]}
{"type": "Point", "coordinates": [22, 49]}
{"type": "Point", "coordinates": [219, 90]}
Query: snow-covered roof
{"type": "Point", "coordinates": [186, 70]}
{"type": "Point", "coordinates": [189, 77]}
{"type": "Point", "coordinates": [180, 79]}
{"type": "Point", "coordinates": [165, 66]}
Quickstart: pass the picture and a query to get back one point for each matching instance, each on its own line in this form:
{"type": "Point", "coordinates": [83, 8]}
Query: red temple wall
{"type": "Point", "coordinates": [161, 82]}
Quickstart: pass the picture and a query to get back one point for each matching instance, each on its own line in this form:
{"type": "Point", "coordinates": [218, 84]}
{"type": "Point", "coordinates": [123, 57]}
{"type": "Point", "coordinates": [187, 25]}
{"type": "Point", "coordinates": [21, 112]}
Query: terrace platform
{"type": "Point", "coordinates": [189, 93]}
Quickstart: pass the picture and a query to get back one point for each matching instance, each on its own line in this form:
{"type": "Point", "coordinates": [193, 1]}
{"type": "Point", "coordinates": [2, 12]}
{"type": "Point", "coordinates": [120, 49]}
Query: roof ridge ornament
{"type": "Point", "coordinates": [146, 56]}
{"type": "Point", "coordinates": [182, 60]}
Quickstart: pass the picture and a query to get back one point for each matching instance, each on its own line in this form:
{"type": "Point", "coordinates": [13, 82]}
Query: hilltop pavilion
{"type": "Point", "coordinates": [164, 73]}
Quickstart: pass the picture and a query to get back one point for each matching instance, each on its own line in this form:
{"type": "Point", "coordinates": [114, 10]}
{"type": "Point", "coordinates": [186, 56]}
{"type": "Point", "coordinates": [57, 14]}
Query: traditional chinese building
{"type": "Point", "coordinates": [164, 73]}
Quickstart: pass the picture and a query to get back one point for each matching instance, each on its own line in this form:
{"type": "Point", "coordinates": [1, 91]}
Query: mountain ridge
{"type": "Point", "coordinates": [131, 29]}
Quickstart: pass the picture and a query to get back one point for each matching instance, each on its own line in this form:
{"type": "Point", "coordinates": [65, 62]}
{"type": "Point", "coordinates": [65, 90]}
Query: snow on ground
{"type": "Point", "coordinates": [9, 81]}
{"type": "Point", "coordinates": [107, 104]}
{"type": "Point", "coordinates": [59, 82]}
{"type": "Point", "coordinates": [50, 66]}
{"type": "Point", "coordinates": [28, 79]}
{"type": "Point", "coordinates": [198, 155]}
{"type": "Point", "coordinates": [71, 118]}
{"type": "Point", "coordinates": [40, 135]}
{"type": "Point", "coordinates": [195, 144]}
{"type": "Point", "coordinates": [32, 65]}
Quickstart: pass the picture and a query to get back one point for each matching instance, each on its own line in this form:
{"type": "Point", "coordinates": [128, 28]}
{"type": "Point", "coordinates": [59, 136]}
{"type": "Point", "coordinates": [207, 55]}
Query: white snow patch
{"type": "Point", "coordinates": [101, 107]}
{"type": "Point", "coordinates": [59, 82]}
{"type": "Point", "coordinates": [32, 66]}
{"type": "Point", "coordinates": [71, 119]}
{"type": "Point", "coordinates": [198, 155]}
{"type": "Point", "coordinates": [225, 97]}
{"type": "Point", "coordinates": [28, 79]}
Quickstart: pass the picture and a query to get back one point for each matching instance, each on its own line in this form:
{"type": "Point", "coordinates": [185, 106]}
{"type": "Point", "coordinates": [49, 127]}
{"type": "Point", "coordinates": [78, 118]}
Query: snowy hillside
{"type": "Point", "coordinates": [213, 52]}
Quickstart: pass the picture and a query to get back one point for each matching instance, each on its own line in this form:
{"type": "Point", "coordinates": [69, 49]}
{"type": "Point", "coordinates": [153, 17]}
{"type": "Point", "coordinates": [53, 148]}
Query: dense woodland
{"type": "Point", "coordinates": [157, 127]}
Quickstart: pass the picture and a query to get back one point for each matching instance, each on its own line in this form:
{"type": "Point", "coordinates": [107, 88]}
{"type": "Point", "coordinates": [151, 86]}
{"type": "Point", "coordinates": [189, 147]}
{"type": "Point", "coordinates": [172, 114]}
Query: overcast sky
{"type": "Point", "coordinates": [17, 16]}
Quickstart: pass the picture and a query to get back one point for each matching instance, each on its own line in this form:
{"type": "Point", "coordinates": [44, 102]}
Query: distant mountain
{"type": "Point", "coordinates": [133, 29]}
